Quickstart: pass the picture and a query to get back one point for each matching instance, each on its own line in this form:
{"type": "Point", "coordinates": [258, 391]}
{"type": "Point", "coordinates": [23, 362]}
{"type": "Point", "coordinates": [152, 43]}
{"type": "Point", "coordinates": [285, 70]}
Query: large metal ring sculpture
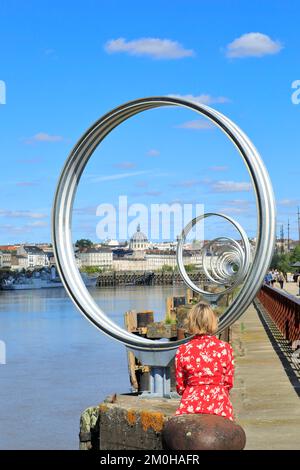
{"type": "Point", "coordinates": [63, 205]}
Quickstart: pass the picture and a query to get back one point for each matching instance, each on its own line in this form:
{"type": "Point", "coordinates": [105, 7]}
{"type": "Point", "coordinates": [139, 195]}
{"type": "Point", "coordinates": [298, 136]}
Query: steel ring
{"type": "Point", "coordinates": [206, 248]}
{"type": "Point", "coordinates": [64, 199]}
{"type": "Point", "coordinates": [179, 254]}
{"type": "Point", "coordinates": [221, 270]}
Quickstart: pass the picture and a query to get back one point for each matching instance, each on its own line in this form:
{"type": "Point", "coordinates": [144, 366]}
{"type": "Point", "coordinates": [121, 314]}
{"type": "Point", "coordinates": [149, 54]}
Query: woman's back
{"type": "Point", "coordinates": [206, 359]}
{"type": "Point", "coordinates": [204, 376]}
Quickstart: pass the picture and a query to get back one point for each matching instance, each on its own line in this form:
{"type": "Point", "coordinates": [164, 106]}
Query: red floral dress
{"type": "Point", "coordinates": [204, 376]}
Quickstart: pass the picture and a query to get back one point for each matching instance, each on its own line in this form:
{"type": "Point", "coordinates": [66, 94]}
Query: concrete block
{"type": "Point", "coordinates": [133, 423]}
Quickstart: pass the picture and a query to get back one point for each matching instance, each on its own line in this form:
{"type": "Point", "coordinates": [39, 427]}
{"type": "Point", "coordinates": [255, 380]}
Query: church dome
{"type": "Point", "coordinates": [138, 240]}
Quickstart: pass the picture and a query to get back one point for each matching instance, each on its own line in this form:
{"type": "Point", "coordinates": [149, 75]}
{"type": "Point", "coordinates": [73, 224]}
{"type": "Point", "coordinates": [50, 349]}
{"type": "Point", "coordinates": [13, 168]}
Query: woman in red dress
{"type": "Point", "coordinates": [204, 367]}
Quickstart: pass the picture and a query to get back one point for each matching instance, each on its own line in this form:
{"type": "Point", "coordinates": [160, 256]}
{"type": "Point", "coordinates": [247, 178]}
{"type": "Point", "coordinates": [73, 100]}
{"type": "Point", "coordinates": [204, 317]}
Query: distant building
{"type": "Point", "coordinates": [49, 258]}
{"type": "Point", "coordinates": [5, 259]}
{"type": "Point", "coordinates": [46, 247]}
{"type": "Point", "coordinates": [19, 262]}
{"type": "Point", "coordinates": [163, 246]}
{"type": "Point", "coordinates": [285, 245]}
{"type": "Point", "coordinates": [154, 260]}
{"type": "Point", "coordinates": [130, 264]}
{"type": "Point", "coordinates": [138, 241]}
{"type": "Point", "coordinates": [35, 256]}
{"type": "Point", "coordinates": [194, 245]}
{"type": "Point", "coordinates": [112, 243]}
{"type": "Point", "coordinates": [102, 257]}
{"type": "Point", "coordinates": [121, 252]}
{"type": "Point", "coordinates": [10, 248]}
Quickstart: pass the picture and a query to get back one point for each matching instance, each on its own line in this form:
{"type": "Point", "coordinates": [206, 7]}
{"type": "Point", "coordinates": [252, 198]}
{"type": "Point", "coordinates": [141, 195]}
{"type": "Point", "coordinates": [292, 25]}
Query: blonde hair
{"type": "Point", "coordinates": [201, 319]}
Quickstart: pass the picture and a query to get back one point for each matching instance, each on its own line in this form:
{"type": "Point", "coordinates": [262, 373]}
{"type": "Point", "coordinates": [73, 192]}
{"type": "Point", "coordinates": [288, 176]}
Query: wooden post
{"type": "Point", "coordinates": [169, 307]}
{"type": "Point", "coordinates": [130, 319]}
{"type": "Point", "coordinates": [144, 317]}
{"type": "Point", "coordinates": [180, 333]}
{"type": "Point", "coordinates": [189, 296]}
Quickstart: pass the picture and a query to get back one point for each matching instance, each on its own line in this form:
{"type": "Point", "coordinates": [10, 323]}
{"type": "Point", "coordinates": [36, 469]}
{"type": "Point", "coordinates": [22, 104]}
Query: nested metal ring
{"type": "Point", "coordinates": [235, 254]}
{"type": "Point", "coordinates": [242, 272]}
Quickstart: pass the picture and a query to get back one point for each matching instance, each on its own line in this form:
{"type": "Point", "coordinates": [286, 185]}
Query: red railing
{"type": "Point", "coordinates": [284, 309]}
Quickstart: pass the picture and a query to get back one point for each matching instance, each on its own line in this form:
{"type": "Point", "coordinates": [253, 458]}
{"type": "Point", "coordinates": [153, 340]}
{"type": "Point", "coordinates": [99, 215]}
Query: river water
{"type": "Point", "coordinates": [58, 364]}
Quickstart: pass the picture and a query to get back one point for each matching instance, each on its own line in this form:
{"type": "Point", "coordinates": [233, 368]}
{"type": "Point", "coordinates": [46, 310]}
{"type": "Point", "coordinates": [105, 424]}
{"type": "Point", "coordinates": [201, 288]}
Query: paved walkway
{"type": "Point", "coordinates": [265, 402]}
{"type": "Point", "coordinates": [291, 288]}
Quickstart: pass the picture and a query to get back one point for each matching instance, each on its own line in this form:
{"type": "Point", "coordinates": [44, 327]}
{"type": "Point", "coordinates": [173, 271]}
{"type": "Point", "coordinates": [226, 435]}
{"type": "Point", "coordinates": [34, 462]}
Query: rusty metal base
{"type": "Point", "coordinates": [202, 432]}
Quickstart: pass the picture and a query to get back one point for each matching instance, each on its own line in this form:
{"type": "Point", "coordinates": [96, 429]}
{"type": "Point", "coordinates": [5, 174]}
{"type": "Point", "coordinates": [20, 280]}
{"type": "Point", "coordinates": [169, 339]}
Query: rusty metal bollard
{"type": "Point", "coordinates": [202, 432]}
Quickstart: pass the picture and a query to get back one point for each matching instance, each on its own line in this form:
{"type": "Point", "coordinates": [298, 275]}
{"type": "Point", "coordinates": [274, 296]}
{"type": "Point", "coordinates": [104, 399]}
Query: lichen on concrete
{"type": "Point", "coordinates": [152, 419]}
{"type": "Point", "coordinates": [131, 417]}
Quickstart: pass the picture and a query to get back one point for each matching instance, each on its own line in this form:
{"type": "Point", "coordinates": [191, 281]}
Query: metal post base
{"type": "Point", "coordinates": [160, 384]}
{"type": "Point", "coordinates": [160, 380]}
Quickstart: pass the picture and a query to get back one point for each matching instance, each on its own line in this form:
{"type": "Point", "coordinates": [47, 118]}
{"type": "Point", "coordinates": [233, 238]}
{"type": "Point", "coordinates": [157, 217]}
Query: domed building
{"type": "Point", "coordinates": [138, 241]}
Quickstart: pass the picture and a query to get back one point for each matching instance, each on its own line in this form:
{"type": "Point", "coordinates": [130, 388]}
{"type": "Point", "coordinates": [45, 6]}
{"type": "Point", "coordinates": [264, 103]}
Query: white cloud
{"type": "Point", "coordinates": [125, 165]}
{"type": "Point", "coordinates": [22, 213]}
{"type": "Point", "coordinates": [10, 229]}
{"type": "Point", "coordinates": [155, 48]}
{"type": "Point", "coordinates": [153, 153]}
{"type": "Point", "coordinates": [187, 183]}
{"type": "Point", "coordinates": [230, 186]}
{"type": "Point", "coordinates": [238, 206]}
{"type": "Point", "coordinates": [197, 124]}
{"type": "Point", "coordinates": [117, 176]}
{"type": "Point", "coordinates": [288, 202]}
{"type": "Point", "coordinates": [30, 161]}
{"type": "Point", "coordinates": [218, 168]}
{"type": "Point", "coordinates": [238, 202]}
{"type": "Point", "coordinates": [44, 137]}
{"type": "Point", "coordinates": [37, 223]}
{"type": "Point", "coordinates": [142, 184]}
{"type": "Point", "coordinates": [253, 45]}
{"type": "Point", "coordinates": [86, 210]}
{"type": "Point", "coordinates": [26, 183]}
{"type": "Point", "coordinates": [153, 193]}
{"type": "Point", "coordinates": [202, 99]}
{"type": "Point", "coordinates": [49, 51]}
{"type": "Point", "coordinates": [234, 210]}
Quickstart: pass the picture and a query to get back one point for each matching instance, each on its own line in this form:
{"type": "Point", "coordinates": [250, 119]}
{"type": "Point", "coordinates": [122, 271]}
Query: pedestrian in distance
{"type": "Point", "coordinates": [281, 280]}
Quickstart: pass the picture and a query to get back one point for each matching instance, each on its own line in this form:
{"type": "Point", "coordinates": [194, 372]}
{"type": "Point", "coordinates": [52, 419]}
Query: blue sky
{"type": "Point", "coordinates": [67, 63]}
